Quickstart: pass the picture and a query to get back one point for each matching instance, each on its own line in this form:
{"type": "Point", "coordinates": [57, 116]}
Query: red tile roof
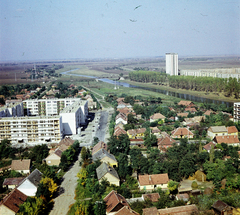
{"type": "Point", "coordinates": [150, 211]}
{"type": "Point", "coordinates": [232, 129]}
{"type": "Point", "coordinates": [182, 114]}
{"type": "Point", "coordinates": [231, 139]}
{"type": "Point", "coordinates": [21, 164]}
{"type": "Point", "coordinates": [181, 131]}
{"type": "Point", "coordinates": [14, 200]}
{"type": "Point", "coordinates": [118, 131]}
{"type": "Point", "coordinates": [151, 196]}
{"type": "Point", "coordinates": [114, 200]}
{"type": "Point", "coordinates": [157, 116]}
{"type": "Point", "coordinates": [126, 211]}
{"type": "Point", "coordinates": [191, 109]}
{"type": "Point", "coordinates": [136, 131]}
{"type": "Point", "coordinates": [98, 146]}
{"type": "Point", "coordinates": [12, 181]}
{"type": "Point", "coordinates": [185, 103]}
{"type": "Point", "coordinates": [208, 112]}
{"type": "Point", "coordinates": [153, 179]}
{"type": "Point", "coordinates": [165, 142]}
{"type": "Point", "coordinates": [209, 146]}
{"type": "Point", "coordinates": [182, 210]}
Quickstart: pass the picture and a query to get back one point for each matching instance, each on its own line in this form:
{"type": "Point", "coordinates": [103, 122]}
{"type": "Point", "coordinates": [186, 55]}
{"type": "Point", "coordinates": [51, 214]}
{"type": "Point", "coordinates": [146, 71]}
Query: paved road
{"type": "Point", "coordinates": [63, 201]}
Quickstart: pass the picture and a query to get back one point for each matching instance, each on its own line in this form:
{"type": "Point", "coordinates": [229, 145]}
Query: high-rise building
{"type": "Point", "coordinates": [172, 63]}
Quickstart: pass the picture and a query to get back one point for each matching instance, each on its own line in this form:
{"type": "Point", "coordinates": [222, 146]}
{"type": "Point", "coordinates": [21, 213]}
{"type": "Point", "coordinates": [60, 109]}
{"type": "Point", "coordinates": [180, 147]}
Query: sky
{"type": "Point", "coordinates": [61, 29]}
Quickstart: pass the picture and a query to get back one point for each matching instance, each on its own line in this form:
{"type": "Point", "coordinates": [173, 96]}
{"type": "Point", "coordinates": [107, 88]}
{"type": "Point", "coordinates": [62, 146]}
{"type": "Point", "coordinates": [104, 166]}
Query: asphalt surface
{"type": "Point", "coordinates": [97, 127]}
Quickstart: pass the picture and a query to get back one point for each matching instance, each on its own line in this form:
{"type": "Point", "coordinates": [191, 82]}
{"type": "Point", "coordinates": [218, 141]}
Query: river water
{"type": "Point", "coordinates": [166, 92]}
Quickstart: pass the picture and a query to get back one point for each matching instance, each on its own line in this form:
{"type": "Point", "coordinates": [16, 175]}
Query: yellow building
{"type": "Point", "coordinates": [105, 157]}
{"type": "Point", "coordinates": [136, 133]}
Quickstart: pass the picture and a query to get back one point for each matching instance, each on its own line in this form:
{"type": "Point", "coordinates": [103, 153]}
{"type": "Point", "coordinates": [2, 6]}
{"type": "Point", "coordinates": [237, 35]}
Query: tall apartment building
{"type": "Point", "coordinates": [236, 112]}
{"type": "Point", "coordinates": [12, 110]}
{"type": "Point", "coordinates": [172, 63]}
{"type": "Point", "coordinates": [31, 130]}
{"type": "Point", "coordinates": [73, 116]}
{"type": "Point", "coordinates": [46, 107]}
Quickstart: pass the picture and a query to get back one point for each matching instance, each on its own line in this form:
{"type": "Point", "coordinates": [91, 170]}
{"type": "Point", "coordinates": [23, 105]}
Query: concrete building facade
{"type": "Point", "coordinates": [236, 112]}
{"type": "Point", "coordinates": [47, 107]}
{"type": "Point", "coordinates": [73, 116]}
{"type": "Point", "coordinates": [172, 63]}
{"type": "Point", "coordinates": [31, 130]}
{"type": "Point", "coordinates": [12, 110]}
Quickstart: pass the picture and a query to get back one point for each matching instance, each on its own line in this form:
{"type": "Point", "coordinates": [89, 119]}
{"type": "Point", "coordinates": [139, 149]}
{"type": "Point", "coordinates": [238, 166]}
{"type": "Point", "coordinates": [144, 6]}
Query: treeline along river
{"type": "Point", "coordinates": [166, 92]}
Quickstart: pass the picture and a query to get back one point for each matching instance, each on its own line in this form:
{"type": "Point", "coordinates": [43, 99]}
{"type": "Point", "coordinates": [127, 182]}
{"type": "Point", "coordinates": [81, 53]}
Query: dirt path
{"type": "Point", "coordinates": [64, 200]}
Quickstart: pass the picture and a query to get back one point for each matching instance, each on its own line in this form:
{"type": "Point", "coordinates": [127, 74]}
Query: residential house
{"type": "Point", "coordinates": [108, 172]}
{"type": "Point", "coordinates": [150, 182]}
{"type": "Point", "coordinates": [98, 146]}
{"type": "Point", "coordinates": [165, 142]}
{"type": "Point", "coordinates": [232, 130]}
{"type": "Point", "coordinates": [209, 112]}
{"type": "Point", "coordinates": [182, 196]}
{"type": "Point", "coordinates": [155, 131]}
{"type": "Point", "coordinates": [120, 124]}
{"type": "Point", "coordinates": [157, 116]}
{"type": "Point", "coordinates": [182, 133]}
{"type": "Point", "coordinates": [186, 210]}
{"type": "Point", "coordinates": [182, 115]}
{"type": "Point", "coordinates": [54, 159]}
{"type": "Point", "coordinates": [123, 105]}
{"type": "Point", "coordinates": [120, 100]}
{"type": "Point", "coordinates": [136, 133]}
{"type": "Point", "coordinates": [191, 109]}
{"type": "Point", "coordinates": [193, 121]}
{"type": "Point", "coordinates": [229, 140]}
{"type": "Point", "coordinates": [30, 184]}
{"type": "Point", "coordinates": [208, 146]}
{"type": "Point", "coordinates": [126, 111]}
{"type": "Point", "coordinates": [11, 183]}
{"type": "Point", "coordinates": [126, 210]}
{"type": "Point", "coordinates": [22, 166]}
{"type": "Point", "coordinates": [105, 157]}
{"type": "Point", "coordinates": [186, 103]}
{"type": "Point", "coordinates": [65, 143]}
{"type": "Point", "coordinates": [81, 92]}
{"type": "Point", "coordinates": [153, 197]}
{"type": "Point", "coordinates": [11, 203]}
{"type": "Point", "coordinates": [114, 202]}
{"type": "Point", "coordinates": [150, 211]}
{"type": "Point", "coordinates": [118, 131]}
{"type": "Point", "coordinates": [217, 131]}
{"type": "Point", "coordinates": [121, 117]}
{"type": "Point", "coordinates": [221, 208]}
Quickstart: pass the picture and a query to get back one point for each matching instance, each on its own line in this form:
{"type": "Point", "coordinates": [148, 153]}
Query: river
{"type": "Point", "coordinates": [166, 92]}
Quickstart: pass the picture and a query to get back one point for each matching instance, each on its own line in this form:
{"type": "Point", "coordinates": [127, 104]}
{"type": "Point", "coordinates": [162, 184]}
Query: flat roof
{"type": "Point", "coordinates": [74, 107]}
{"type": "Point", "coordinates": [11, 105]}
{"type": "Point", "coordinates": [29, 118]}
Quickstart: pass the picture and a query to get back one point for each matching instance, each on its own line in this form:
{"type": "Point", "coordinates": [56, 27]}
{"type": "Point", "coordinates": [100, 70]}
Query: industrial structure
{"type": "Point", "coordinates": [172, 63]}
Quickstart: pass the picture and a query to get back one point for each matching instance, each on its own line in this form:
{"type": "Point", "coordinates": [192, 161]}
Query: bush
{"type": "Point", "coordinates": [194, 185]}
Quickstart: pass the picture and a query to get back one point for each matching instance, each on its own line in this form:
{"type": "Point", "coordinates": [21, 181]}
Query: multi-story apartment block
{"type": "Point", "coordinates": [236, 112]}
{"type": "Point", "coordinates": [46, 107]}
{"type": "Point", "coordinates": [12, 110]}
{"type": "Point", "coordinates": [172, 63]}
{"type": "Point", "coordinates": [73, 116]}
{"type": "Point", "coordinates": [31, 130]}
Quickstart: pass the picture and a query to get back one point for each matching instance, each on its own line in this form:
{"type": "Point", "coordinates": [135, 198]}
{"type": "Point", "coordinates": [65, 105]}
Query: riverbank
{"type": "Point", "coordinates": [214, 96]}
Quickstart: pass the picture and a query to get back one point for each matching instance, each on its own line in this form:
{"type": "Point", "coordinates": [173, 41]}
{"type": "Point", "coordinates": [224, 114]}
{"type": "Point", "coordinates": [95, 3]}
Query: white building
{"type": "Point", "coordinates": [12, 110]}
{"type": "Point", "coordinates": [73, 116]}
{"type": "Point", "coordinates": [172, 63]}
{"type": "Point", "coordinates": [46, 107]}
{"type": "Point", "coordinates": [31, 130]}
{"type": "Point", "coordinates": [236, 112]}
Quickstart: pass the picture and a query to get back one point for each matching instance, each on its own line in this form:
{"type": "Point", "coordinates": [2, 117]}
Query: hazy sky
{"type": "Point", "coordinates": [61, 29]}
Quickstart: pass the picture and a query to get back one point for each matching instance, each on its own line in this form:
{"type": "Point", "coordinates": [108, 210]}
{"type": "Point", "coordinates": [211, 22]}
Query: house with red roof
{"type": "Point", "coordinates": [232, 130]}
{"type": "Point", "coordinates": [229, 140]}
{"type": "Point", "coordinates": [165, 142]}
{"type": "Point", "coordinates": [11, 203]}
{"type": "Point", "coordinates": [100, 145]}
{"type": "Point", "coordinates": [157, 116]}
{"type": "Point", "coordinates": [114, 202]}
{"type": "Point", "coordinates": [151, 182]}
{"type": "Point", "coordinates": [186, 103]}
{"type": "Point", "coordinates": [121, 117]}
{"type": "Point", "coordinates": [118, 131]}
{"type": "Point", "coordinates": [182, 133]}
